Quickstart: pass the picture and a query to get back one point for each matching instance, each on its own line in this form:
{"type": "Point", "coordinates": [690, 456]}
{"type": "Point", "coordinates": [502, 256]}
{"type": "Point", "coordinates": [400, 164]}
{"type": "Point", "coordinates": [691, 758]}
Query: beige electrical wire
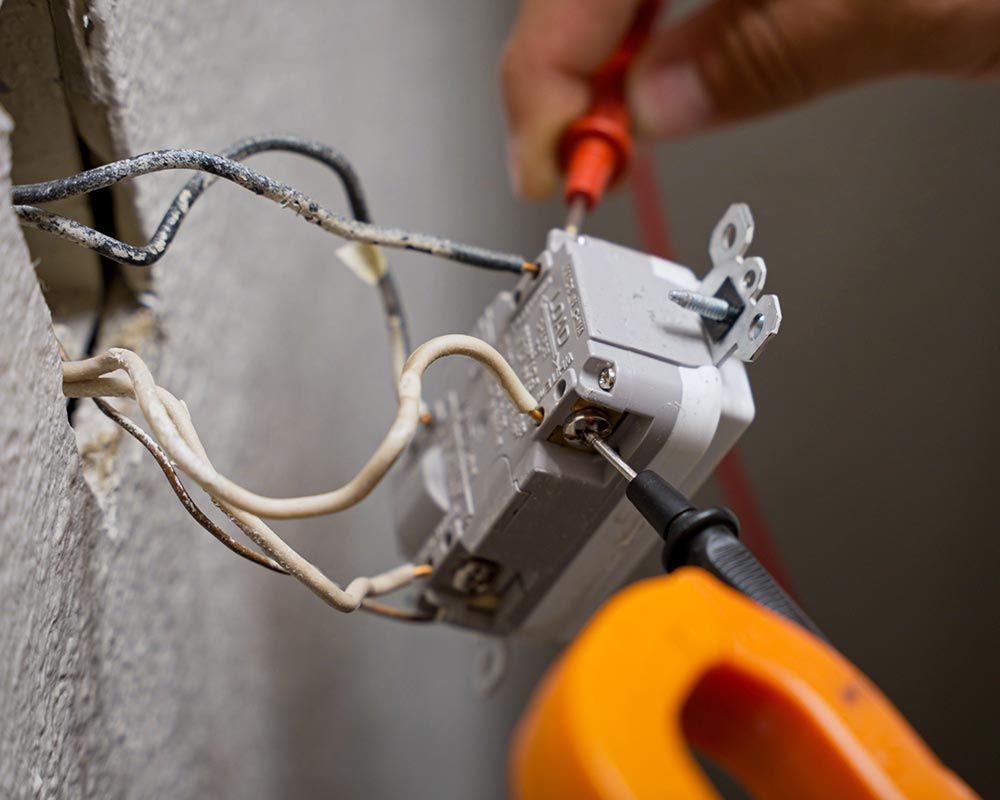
{"type": "Point", "coordinates": [163, 461]}
{"type": "Point", "coordinates": [166, 417]}
{"type": "Point", "coordinates": [286, 559]}
{"type": "Point", "coordinates": [342, 599]}
{"type": "Point", "coordinates": [171, 422]}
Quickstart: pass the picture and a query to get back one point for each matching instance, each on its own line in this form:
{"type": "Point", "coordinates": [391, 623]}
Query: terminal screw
{"type": "Point", "coordinates": [474, 576]}
{"type": "Point", "coordinates": [607, 378]}
{"type": "Point", "coordinates": [580, 424]}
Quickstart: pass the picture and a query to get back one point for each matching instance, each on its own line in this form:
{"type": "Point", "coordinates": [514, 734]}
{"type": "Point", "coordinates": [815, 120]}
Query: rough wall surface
{"type": "Point", "coordinates": [207, 676]}
{"type": "Point", "coordinates": [45, 140]}
{"type": "Point", "coordinates": [113, 679]}
{"type": "Point", "coordinates": [142, 660]}
{"type": "Point", "coordinates": [48, 680]}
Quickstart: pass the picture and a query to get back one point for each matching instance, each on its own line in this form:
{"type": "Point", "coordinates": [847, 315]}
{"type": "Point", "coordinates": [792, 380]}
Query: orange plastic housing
{"type": "Point", "coordinates": [684, 659]}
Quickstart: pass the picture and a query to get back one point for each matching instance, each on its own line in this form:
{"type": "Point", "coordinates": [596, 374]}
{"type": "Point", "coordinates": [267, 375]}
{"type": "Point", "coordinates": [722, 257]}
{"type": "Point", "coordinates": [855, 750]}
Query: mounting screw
{"type": "Point", "coordinates": [713, 308]}
{"type": "Point", "coordinates": [607, 378]}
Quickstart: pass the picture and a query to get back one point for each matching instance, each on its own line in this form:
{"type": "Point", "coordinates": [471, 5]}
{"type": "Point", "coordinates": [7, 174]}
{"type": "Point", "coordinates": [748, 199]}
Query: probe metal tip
{"type": "Point", "coordinates": [577, 212]}
{"type": "Point", "coordinates": [611, 456]}
{"type": "Point", "coordinates": [714, 308]}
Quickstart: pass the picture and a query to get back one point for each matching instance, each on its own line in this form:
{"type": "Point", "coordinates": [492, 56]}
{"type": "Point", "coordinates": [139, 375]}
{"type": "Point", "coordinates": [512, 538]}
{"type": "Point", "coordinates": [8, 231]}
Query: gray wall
{"type": "Point", "coordinates": [148, 662]}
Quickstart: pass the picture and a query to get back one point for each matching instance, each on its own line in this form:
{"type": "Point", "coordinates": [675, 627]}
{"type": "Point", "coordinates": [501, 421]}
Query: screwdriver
{"type": "Point", "coordinates": [596, 148]}
{"type": "Point", "coordinates": [706, 538]}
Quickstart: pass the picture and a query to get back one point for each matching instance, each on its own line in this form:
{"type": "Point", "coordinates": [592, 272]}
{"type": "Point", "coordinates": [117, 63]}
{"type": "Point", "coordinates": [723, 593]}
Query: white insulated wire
{"type": "Point", "coordinates": [162, 419]}
{"type": "Point", "coordinates": [171, 423]}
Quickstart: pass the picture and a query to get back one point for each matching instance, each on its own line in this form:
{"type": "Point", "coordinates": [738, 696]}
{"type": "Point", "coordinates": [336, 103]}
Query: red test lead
{"type": "Point", "coordinates": [596, 148]}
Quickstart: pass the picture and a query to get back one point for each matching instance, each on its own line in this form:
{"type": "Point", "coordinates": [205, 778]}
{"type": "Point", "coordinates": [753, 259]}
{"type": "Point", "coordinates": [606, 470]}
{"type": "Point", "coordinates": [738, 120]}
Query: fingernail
{"type": "Point", "coordinates": [670, 100]}
{"type": "Point", "coordinates": [514, 174]}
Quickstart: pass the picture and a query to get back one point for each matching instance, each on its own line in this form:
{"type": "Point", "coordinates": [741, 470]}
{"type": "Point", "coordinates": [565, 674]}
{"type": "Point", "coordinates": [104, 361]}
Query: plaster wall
{"type": "Point", "coordinates": [192, 674]}
{"type": "Point", "coordinates": [143, 660]}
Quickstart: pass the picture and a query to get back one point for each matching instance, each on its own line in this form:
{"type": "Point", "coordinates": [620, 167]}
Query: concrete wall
{"type": "Point", "coordinates": [199, 675]}
{"type": "Point", "coordinates": [143, 660]}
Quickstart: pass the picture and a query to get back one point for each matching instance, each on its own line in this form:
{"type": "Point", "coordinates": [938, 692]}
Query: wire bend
{"type": "Point", "coordinates": [164, 421]}
{"type": "Point", "coordinates": [341, 166]}
{"type": "Point", "coordinates": [172, 425]}
{"type": "Point", "coordinates": [367, 604]}
{"type": "Point", "coordinates": [199, 516]}
{"type": "Point", "coordinates": [26, 196]}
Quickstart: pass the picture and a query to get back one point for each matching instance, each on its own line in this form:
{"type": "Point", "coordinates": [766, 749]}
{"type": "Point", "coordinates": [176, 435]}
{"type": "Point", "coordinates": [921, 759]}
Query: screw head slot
{"type": "Point", "coordinates": [583, 422]}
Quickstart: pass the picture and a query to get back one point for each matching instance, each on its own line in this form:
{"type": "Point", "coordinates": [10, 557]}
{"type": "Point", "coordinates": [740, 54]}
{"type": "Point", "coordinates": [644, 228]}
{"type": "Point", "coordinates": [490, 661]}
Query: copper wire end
{"type": "Point", "coordinates": [531, 267]}
{"type": "Point", "coordinates": [382, 609]}
{"type": "Point", "coordinates": [421, 570]}
{"type": "Point", "coordinates": [537, 414]}
{"type": "Point", "coordinates": [427, 418]}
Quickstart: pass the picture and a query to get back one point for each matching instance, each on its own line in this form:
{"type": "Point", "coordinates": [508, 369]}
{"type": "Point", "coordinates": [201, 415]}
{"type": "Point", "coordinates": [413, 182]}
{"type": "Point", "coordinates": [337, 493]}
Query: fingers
{"type": "Point", "coordinates": [740, 58]}
{"type": "Point", "coordinates": [731, 60]}
{"type": "Point", "coordinates": [550, 56]}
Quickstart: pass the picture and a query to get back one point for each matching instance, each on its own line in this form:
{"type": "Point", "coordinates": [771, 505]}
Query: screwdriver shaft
{"type": "Point", "coordinates": [609, 455]}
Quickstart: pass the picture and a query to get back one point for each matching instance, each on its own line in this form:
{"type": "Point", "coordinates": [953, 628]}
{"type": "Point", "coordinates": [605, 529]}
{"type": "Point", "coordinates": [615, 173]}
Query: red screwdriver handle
{"type": "Point", "coordinates": [596, 148]}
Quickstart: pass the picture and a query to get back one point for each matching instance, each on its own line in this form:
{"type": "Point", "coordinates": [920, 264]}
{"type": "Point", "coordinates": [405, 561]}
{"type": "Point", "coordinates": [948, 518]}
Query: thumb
{"type": "Point", "coordinates": [740, 58]}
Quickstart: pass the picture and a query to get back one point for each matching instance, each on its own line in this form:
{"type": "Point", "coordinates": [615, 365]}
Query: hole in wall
{"type": "Point", "coordinates": [49, 140]}
{"type": "Point", "coordinates": [101, 204]}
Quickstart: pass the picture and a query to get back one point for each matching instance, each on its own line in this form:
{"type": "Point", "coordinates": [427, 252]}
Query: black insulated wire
{"type": "Point", "coordinates": [25, 197]}
{"type": "Point", "coordinates": [316, 151]}
{"type": "Point", "coordinates": [350, 180]}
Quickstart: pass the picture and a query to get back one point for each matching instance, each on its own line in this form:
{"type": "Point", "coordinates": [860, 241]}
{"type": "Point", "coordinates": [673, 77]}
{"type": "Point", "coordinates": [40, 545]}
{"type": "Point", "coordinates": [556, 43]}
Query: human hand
{"type": "Point", "coordinates": [730, 60]}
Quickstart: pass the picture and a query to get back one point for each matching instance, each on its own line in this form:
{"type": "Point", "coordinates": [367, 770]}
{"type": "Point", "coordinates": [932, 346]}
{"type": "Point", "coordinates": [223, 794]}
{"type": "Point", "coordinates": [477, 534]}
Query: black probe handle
{"type": "Point", "coordinates": [658, 501]}
{"type": "Point", "coordinates": [719, 552]}
{"type": "Point", "coordinates": [708, 539]}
